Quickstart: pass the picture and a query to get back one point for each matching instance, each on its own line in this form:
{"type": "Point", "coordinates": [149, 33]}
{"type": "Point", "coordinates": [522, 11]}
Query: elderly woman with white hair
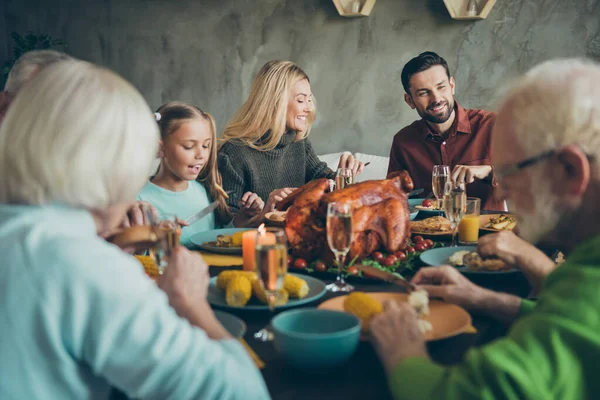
{"type": "Point", "coordinates": [78, 315]}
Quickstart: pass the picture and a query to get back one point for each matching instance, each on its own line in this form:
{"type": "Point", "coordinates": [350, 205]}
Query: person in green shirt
{"type": "Point", "coordinates": [545, 147]}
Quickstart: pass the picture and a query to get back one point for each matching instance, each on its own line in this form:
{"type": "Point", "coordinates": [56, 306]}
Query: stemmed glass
{"type": "Point", "coordinates": [271, 267]}
{"type": "Point", "coordinates": [339, 238]}
{"type": "Point", "coordinates": [344, 177]}
{"type": "Point", "coordinates": [455, 205]}
{"type": "Point", "coordinates": [439, 177]}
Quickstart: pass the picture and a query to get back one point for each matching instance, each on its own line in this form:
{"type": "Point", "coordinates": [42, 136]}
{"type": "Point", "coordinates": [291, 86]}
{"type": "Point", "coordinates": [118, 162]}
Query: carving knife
{"type": "Point", "coordinates": [387, 276]}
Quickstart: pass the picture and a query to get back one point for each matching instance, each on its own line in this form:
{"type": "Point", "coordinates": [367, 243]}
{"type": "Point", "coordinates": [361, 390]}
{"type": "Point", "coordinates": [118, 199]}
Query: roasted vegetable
{"type": "Point", "coordinates": [281, 297]}
{"type": "Point", "coordinates": [238, 291]}
{"type": "Point", "coordinates": [149, 265]}
{"type": "Point", "coordinates": [363, 306]}
{"type": "Point", "coordinates": [296, 287]}
{"type": "Point", "coordinates": [225, 276]}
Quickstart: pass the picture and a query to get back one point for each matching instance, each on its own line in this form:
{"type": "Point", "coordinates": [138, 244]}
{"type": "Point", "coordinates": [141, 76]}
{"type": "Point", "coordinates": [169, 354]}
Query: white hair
{"type": "Point", "coordinates": [28, 64]}
{"type": "Point", "coordinates": [77, 134]}
{"type": "Point", "coordinates": [556, 104]}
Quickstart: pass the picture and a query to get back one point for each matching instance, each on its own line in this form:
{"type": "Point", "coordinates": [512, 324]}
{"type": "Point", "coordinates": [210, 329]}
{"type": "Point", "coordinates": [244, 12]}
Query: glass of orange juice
{"type": "Point", "coordinates": [468, 229]}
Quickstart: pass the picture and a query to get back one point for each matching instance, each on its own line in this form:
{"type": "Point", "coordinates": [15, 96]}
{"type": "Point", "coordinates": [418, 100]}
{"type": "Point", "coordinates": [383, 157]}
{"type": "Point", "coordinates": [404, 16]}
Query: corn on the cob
{"type": "Point", "coordinates": [296, 287]}
{"type": "Point", "coordinates": [236, 239]}
{"type": "Point", "coordinates": [281, 297]}
{"type": "Point", "coordinates": [238, 291]}
{"type": "Point", "coordinates": [226, 276]}
{"type": "Point", "coordinates": [149, 265]}
{"type": "Point", "coordinates": [363, 306]}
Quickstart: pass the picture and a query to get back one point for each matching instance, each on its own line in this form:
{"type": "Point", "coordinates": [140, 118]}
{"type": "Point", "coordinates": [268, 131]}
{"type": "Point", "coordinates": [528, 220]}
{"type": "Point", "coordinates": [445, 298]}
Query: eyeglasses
{"type": "Point", "coordinates": [504, 172]}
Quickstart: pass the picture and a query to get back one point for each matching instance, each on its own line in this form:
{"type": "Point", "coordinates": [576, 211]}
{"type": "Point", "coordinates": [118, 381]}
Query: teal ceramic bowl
{"type": "Point", "coordinates": [316, 339]}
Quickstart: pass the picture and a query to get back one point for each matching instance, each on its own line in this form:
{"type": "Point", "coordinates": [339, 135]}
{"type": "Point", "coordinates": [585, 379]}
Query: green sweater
{"type": "Point", "coordinates": [290, 164]}
{"type": "Point", "coordinates": [551, 352]}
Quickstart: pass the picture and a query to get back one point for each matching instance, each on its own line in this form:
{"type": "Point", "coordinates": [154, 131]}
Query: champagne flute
{"type": "Point", "coordinates": [339, 238]}
{"type": "Point", "coordinates": [455, 205]}
{"type": "Point", "coordinates": [344, 177]}
{"type": "Point", "coordinates": [271, 267]}
{"type": "Point", "coordinates": [439, 177]}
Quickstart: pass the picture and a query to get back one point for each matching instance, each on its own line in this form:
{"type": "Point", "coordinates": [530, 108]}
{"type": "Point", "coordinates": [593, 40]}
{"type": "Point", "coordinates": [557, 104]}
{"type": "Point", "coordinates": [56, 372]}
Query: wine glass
{"type": "Point", "coordinates": [339, 238]}
{"type": "Point", "coordinates": [271, 267]}
{"type": "Point", "coordinates": [344, 177]}
{"type": "Point", "coordinates": [439, 177]}
{"type": "Point", "coordinates": [455, 205]}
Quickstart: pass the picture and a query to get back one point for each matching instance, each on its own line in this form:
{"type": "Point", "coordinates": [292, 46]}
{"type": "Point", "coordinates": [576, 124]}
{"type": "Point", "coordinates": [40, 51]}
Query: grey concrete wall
{"type": "Point", "coordinates": [207, 51]}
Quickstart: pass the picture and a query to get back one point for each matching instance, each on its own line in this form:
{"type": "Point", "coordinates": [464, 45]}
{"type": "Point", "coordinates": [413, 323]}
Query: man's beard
{"type": "Point", "coordinates": [427, 116]}
{"type": "Point", "coordinates": [543, 220]}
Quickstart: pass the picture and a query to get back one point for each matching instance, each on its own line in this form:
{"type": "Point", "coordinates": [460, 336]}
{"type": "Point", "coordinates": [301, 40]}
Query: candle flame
{"type": "Point", "coordinates": [261, 229]}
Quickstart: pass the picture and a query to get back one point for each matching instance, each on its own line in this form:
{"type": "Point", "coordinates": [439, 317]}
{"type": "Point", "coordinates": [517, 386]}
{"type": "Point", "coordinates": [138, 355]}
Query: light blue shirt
{"type": "Point", "coordinates": [182, 204]}
{"type": "Point", "coordinates": [78, 315]}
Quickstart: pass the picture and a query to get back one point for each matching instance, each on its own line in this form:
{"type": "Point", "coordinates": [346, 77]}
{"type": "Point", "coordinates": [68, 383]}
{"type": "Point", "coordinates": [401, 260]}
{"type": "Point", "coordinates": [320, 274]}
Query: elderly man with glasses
{"type": "Point", "coordinates": [545, 146]}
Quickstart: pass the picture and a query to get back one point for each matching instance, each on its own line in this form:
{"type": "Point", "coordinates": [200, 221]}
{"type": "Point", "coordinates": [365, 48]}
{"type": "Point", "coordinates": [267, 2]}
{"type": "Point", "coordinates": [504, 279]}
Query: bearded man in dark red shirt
{"type": "Point", "coordinates": [446, 134]}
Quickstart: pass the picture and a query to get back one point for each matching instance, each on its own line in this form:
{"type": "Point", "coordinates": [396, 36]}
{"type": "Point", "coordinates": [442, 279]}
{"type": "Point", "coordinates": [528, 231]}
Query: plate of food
{"type": "Point", "coordinates": [497, 222]}
{"type": "Point", "coordinates": [429, 206]}
{"type": "Point", "coordinates": [232, 324]}
{"type": "Point", "coordinates": [276, 218]}
{"type": "Point", "coordinates": [241, 290]}
{"type": "Point", "coordinates": [441, 320]}
{"type": "Point", "coordinates": [223, 241]}
{"type": "Point", "coordinates": [466, 260]}
{"type": "Point", "coordinates": [433, 226]}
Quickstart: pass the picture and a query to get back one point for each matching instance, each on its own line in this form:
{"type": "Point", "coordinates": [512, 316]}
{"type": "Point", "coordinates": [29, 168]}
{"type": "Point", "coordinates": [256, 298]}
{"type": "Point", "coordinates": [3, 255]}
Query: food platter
{"type": "Point", "coordinates": [485, 220]}
{"type": "Point", "coordinates": [441, 256]}
{"type": "Point", "coordinates": [446, 319]}
{"type": "Point", "coordinates": [216, 296]}
{"type": "Point", "coordinates": [207, 240]}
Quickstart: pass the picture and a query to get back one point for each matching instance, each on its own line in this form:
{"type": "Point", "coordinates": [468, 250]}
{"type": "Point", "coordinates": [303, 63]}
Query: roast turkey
{"type": "Point", "coordinates": [380, 216]}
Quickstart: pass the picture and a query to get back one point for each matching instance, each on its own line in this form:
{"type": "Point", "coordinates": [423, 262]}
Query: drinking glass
{"type": "Point", "coordinates": [271, 267]}
{"type": "Point", "coordinates": [344, 177]}
{"type": "Point", "coordinates": [455, 205]}
{"type": "Point", "coordinates": [167, 231]}
{"type": "Point", "coordinates": [468, 228]}
{"type": "Point", "coordinates": [439, 177]}
{"type": "Point", "coordinates": [339, 238]}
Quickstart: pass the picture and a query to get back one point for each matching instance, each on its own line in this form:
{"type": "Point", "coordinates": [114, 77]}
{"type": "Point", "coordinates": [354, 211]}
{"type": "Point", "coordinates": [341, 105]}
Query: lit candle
{"type": "Point", "coordinates": [248, 248]}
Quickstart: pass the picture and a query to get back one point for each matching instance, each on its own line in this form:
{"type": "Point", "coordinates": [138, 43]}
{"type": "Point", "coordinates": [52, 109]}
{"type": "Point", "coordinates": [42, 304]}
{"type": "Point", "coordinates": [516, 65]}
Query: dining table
{"type": "Point", "coordinates": [363, 376]}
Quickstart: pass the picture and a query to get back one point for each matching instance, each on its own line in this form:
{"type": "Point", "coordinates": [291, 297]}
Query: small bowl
{"type": "Point", "coordinates": [316, 339]}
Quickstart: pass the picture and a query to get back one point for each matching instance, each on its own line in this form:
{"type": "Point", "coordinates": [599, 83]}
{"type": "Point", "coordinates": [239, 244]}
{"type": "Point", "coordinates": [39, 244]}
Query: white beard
{"type": "Point", "coordinates": [543, 220]}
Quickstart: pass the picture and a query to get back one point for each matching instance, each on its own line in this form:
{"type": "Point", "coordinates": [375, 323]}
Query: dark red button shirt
{"type": "Point", "coordinates": [416, 149]}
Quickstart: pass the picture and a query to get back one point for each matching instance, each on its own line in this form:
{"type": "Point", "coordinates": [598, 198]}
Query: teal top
{"type": "Point", "coordinates": [182, 204]}
{"type": "Point", "coordinates": [551, 351]}
{"type": "Point", "coordinates": [78, 315]}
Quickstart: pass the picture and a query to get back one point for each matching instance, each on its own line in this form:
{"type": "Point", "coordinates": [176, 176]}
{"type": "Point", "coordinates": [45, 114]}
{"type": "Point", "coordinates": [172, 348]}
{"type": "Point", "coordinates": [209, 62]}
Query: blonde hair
{"type": "Point", "coordinates": [265, 110]}
{"type": "Point", "coordinates": [77, 134]}
{"type": "Point", "coordinates": [28, 64]}
{"type": "Point", "coordinates": [172, 116]}
{"type": "Point", "coordinates": [556, 104]}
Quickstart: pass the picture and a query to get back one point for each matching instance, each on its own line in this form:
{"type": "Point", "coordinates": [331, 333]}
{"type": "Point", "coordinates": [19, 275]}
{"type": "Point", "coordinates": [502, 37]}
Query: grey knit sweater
{"type": "Point", "coordinates": [290, 164]}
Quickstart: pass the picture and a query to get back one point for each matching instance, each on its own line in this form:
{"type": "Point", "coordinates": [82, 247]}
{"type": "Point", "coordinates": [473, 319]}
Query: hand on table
{"type": "Point", "coordinates": [468, 173]}
{"type": "Point", "coordinates": [517, 253]}
{"type": "Point", "coordinates": [347, 160]}
{"type": "Point", "coordinates": [395, 334]}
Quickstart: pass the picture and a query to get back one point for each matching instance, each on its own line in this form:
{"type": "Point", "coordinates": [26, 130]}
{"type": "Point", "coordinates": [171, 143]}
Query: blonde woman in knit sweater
{"type": "Point", "coordinates": [265, 147]}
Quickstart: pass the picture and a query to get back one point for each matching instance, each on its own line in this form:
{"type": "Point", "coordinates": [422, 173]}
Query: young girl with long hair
{"type": "Point", "coordinates": [187, 179]}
